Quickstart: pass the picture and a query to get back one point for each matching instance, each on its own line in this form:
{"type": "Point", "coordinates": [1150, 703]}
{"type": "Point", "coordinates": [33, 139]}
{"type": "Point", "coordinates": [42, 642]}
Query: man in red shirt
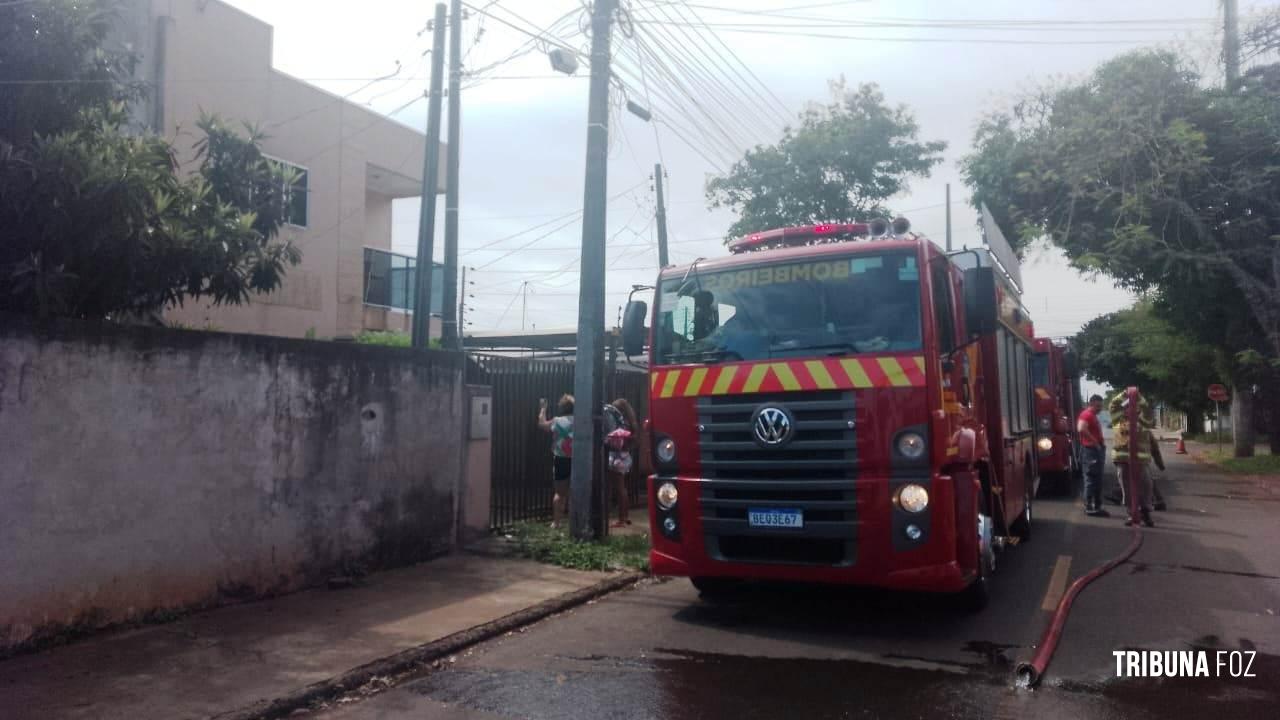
{"type": "Point", "coordinates": [1093, 454]}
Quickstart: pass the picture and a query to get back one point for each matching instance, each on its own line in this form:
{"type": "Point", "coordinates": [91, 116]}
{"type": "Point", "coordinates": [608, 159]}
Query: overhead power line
{"type": "Point", "coordinates": [572, 215]}
{"type": "Point", "coordinates": [672, 107]}
{"type": "Point", "coordinates": [784, 13]}
{"type": "Point", "coordinates": [767, 98]}
{"type": "Point", "coordinates": [714, 69]}
{"type": "Point", "coordinates": [774, 31]}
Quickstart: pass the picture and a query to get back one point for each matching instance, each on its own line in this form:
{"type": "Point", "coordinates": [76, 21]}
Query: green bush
{"type": "Point", "coordinates": [392, 339]}
{"type": "Point", "coordinates": [539, 541]}
{"type": "Point", "coordinates": [1260, 464]}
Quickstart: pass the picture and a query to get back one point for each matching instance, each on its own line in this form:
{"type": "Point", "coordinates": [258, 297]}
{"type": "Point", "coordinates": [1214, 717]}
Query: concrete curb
{"type": "Point", "coordinates": [434, 650]}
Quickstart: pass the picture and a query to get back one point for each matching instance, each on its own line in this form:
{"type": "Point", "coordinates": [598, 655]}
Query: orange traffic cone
{"type": "Point", "coordinates": [1182, 448]}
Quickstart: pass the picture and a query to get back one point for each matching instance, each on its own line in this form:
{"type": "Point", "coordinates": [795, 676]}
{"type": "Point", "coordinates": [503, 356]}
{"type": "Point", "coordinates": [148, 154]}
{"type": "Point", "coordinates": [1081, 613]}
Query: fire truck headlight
{"type": "Point", "coordinates": [666, 450]}
{"type": "Point", "coordinates": [911, 445]}
{"type": "Point", "coordinates": [667, 495]}
{"type": "Point", "coordinates": [912, 498]}
{"type": "Point", "coordinates": [1045, 422]}
{"type": "Point", "coordinates": [1045, 444]}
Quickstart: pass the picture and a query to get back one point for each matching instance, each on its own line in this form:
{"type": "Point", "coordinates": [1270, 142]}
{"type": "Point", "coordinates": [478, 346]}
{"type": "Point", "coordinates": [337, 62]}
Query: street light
{"type": "Point", "coordinates": [563, 61]}
{"type": "Point", "coordinates": [639, 111]}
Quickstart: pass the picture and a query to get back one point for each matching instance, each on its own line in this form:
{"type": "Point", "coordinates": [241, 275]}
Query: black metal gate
{"type": "Point", "coordinates": [521, 453]}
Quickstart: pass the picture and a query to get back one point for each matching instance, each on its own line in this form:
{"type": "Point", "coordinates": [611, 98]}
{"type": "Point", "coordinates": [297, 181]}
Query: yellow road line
{"type": "Point", "coordinates": [1057, 583]}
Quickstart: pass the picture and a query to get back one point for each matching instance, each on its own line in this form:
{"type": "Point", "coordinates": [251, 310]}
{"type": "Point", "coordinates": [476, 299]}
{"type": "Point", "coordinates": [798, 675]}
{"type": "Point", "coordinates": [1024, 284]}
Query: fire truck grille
{"type": "Point", "coordinates": [813, 472]}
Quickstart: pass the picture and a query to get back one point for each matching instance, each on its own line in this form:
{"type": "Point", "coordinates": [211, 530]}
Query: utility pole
{"type": "Point", "coordinates": [948, 217]}
{"type": "Point", "coordinates": [450, 331]}
{"type": "Point", "coordinates": [662, 218]}
{"type": "Point", "coordinates": [587, 387]}
{"type": "Point", "coordinates": [430, 180]}
{"type": "Point", "coordinates": [524, 304]}
{"type": "Point", "coordinates": [1231, 42]}
{"type": "Point", "coordinates": [462, 311]}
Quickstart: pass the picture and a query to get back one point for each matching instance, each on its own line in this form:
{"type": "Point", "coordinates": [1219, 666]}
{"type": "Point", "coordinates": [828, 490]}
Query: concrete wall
{"type": "Point", "coordinates": [152, 469]}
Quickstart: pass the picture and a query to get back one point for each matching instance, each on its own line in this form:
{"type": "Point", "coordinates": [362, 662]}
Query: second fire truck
{"type": "Point", "coordinates": [1057, 389]}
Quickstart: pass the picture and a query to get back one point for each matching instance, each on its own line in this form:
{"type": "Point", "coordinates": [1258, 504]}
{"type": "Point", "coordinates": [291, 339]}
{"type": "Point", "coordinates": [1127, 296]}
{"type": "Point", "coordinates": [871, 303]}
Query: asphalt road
{"type": "Point", "coordinates": [1208, 577]}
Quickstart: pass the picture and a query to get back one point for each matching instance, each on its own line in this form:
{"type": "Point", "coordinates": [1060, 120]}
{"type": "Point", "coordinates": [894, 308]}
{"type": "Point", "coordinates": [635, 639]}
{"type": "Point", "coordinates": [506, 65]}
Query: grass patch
{"type": "Point", "coordinates": [1206, 438]}
{"type": "Point", "coordinates": [539, 541]}
{"type": "Point", "coordinates": [1262, 463]}
{"type": "Point", "coordinates": [392, 339]}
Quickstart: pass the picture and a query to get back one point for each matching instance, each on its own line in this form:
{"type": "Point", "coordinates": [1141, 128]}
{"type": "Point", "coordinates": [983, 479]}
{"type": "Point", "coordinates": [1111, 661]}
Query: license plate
{"type": "Point", "coordinates": [775, 517]}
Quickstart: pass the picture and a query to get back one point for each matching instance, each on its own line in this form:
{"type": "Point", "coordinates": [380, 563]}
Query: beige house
{"type": "Point", "coordinates": [352, 163]}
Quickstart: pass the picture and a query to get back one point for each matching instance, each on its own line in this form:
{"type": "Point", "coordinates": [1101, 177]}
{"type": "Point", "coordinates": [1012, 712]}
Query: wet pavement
{"type": "Point", "coordinates": [1207, 579]}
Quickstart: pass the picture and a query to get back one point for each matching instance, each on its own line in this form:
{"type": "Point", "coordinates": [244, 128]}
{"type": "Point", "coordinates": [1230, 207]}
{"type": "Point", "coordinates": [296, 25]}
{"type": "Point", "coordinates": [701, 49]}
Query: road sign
{"type": "Point", "coordinates": [1218, 393]}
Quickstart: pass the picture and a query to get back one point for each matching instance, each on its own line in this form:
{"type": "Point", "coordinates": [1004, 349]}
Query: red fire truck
{"type": "Point", "coordinates": [841, 403]}
{"type": "Point", "coordinates": [1057, 390]}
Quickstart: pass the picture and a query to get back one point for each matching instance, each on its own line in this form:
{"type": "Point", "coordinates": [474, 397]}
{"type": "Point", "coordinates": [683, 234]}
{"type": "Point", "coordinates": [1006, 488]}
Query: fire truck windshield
{"type": "Point", "coordinates": [829, 306]}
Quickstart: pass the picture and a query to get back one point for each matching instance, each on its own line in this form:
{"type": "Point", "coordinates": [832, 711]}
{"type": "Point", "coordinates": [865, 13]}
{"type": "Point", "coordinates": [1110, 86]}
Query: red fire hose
{"type": "Point", "coordinates": [1028, 674]}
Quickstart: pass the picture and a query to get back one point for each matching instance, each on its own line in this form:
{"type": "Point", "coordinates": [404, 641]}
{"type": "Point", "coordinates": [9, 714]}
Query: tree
{"type": "Point", "coordinates": [1135, 346]}
{"type": "Point", "coordinates": [840, 165]}
{"type": "Point", "coordinates": [1146, 174]}
{"type": "Point", "coordinates": [99, 222]}
{"type": "Point", "coordinates": [1262, 36]}
{"type": "Point", "coordinates": [988, 171]}
{"type": "Point", "coordinates": [53, 66]}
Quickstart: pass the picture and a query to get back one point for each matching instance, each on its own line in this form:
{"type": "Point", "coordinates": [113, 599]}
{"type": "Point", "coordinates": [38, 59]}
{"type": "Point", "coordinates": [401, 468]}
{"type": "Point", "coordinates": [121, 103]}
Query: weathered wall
{"type": "Point", "coordinates": [144, 470]}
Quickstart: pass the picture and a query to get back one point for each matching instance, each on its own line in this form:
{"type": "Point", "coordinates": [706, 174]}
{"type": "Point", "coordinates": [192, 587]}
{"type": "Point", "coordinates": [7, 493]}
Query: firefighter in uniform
{"type": "Point", "coordinates": [1139, 510]}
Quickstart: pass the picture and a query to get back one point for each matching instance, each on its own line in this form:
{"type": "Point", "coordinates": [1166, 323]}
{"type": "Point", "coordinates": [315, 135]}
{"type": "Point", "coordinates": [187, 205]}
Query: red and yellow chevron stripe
{"type": "Point", "coordinates": [788, 376]}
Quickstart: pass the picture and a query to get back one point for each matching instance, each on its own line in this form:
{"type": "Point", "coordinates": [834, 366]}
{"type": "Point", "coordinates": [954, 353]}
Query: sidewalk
{"type": "Point", "coordinates": [221, 661]}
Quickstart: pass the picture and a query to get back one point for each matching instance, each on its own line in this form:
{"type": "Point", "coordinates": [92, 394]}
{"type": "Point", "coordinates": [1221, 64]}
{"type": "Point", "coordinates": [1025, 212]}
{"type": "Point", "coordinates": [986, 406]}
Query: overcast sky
{"type": "Point", "coordinates": [524, 136]}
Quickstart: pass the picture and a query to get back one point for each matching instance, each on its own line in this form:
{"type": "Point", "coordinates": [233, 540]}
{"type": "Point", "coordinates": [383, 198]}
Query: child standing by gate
{"type": "Point", "coordinates": [621, 430]}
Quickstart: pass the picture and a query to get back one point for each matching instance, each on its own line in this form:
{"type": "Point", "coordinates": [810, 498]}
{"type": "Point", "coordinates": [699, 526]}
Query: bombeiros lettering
{"type": "Point", "coordinates": [827, 271]}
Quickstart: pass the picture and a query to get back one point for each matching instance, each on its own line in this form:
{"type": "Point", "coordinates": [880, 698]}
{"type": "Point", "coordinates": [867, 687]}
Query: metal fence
{"type": "Point", "coordinates": [521, 453]}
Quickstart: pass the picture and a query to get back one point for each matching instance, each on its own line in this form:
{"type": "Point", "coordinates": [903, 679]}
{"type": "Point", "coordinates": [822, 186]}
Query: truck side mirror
{"type": "Point", "coordinates": [980, 311]}
{"type": "Point", "coordinates": [633, 330]}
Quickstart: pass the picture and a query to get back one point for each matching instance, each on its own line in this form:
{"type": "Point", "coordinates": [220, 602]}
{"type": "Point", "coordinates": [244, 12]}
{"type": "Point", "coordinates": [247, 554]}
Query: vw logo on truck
{"type": "Point", "coordinates": [772, 426]}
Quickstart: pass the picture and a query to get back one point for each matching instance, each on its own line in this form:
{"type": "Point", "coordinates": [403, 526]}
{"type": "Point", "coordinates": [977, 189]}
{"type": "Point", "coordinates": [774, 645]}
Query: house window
{"type": "Point", "coordinates": [390, 281]}
{"type": "Point", "coordinates": [295, 191]}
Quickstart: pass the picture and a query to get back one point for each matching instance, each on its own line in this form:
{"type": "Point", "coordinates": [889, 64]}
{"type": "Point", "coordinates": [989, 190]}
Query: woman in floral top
{"type": "Point", "coordinates": [561, 429]}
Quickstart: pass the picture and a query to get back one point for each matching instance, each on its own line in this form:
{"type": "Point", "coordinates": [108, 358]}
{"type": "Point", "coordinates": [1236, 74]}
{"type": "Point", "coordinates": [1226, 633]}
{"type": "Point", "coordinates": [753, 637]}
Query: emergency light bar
{"type": "Point", "coordinates": [814, 234]}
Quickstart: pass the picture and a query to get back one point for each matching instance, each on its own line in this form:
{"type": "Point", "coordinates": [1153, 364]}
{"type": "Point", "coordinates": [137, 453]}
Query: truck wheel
{"type": "Point", "coordinates": [715, 588]}
{"type": "Point", "coordinates": [975, 597]}
{"type": "Point", "coordinates": [1021, 528]}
